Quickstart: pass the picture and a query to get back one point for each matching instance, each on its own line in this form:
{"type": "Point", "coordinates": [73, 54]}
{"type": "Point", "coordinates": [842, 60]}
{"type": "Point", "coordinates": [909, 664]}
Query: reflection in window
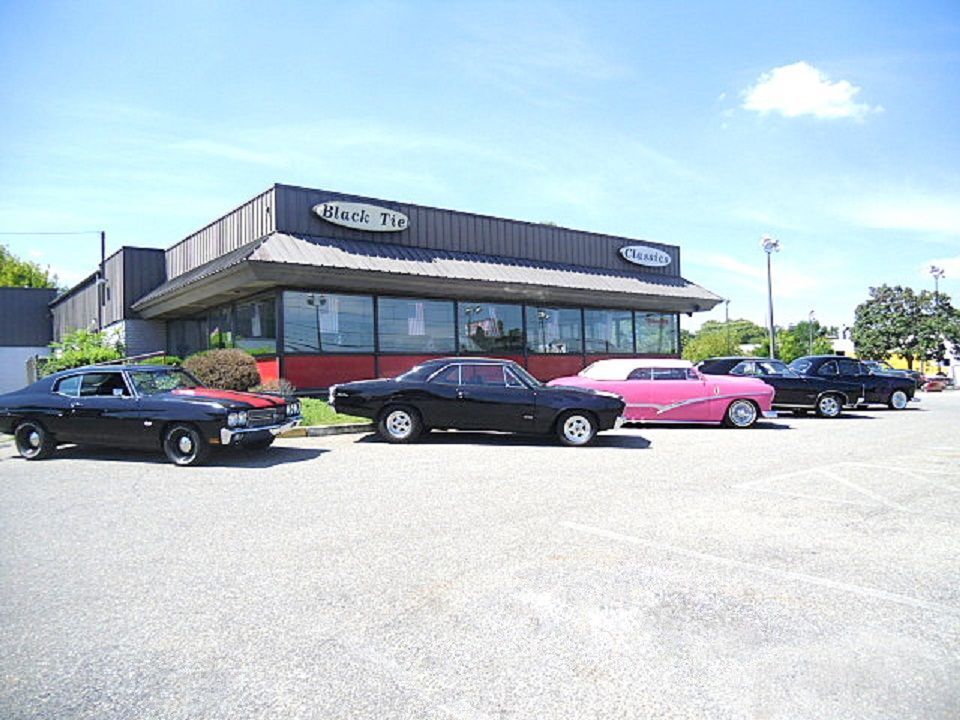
{"type": "Point", "coordinates": [417, 326]}
{"type": "Point", "coordinates": [256, 326]}
{"type": "Point", "coordinates": [490, 327]}
{"type": "Point", "coordinates": [656, 333]}
{"type": "Point", "coordinates": [220, 328]}
{"type": "Point", "coordinates": [185, 337]}
{"type": "Point", "coordinates": [323, 322]}
{"type": "Point", "coordinates": [554, 330]}
{"type": "Point", "coordinates": [608, 331]}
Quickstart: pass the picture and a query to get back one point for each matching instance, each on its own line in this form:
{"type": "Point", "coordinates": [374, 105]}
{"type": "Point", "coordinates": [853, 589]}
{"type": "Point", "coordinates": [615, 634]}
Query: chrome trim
{"type": "Point", "coordinates": [666, 408]}
{"type": "Point", "coordinates": [770, 414]}
{"type": "Point", "coordinates": [227, 435]}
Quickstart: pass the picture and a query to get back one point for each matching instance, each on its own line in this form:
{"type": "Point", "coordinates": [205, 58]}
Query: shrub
{"type": "Point", "coordinates": [79, 348]}
{"type": "Point", "coordinates": [276, 387]}
{"type": "Point", "coordinates": [228, 369]}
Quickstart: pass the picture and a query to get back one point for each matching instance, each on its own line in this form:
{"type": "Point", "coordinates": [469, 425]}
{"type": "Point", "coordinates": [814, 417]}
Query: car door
{"type": "Point", "coordinates": [437, 402]}
{"type": "Point", "coordinates": [667, 394]}
{"type": "Point", "coordinates": [490, 397]}
{"type": "Point", "coordinates": [855, 374]}
{"type": "Point", "coordinates": [105, 412]}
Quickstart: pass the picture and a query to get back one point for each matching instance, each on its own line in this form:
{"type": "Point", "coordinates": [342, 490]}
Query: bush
{"type": "Point", "coordinates": [276, 387]}
{"type": "Point", "coordinates": [228, 369]}
{"type": "Point", "coordinates": [79, 348]}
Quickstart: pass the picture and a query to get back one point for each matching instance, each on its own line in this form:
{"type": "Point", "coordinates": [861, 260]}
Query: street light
{"type": "Point", "coordinates": [937, 273]}
{"type": "Point", "coordinates": [810, 328]}
{"type": "Point", "coordinates": [770, 246]}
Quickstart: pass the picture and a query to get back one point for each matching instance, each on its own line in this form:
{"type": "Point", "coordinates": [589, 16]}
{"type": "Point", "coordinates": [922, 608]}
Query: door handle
{"type": "Point", "coordinates": [460, 395]}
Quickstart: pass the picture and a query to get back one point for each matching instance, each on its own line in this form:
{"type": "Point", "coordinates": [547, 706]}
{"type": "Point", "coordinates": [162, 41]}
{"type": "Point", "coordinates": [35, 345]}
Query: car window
{"type": "Point", "coordinates": [744, 368]}
{"type": "Point", "coordinates": [103, 385]}
{"type": "Point", "coordinates": [490, 375]}
{"type": "Point", "coordinates": [828, 368]}
{"type": "Point", "coordinates": [151, 382]}
{"type": "Point", "coordinates": [773, 368]}
{"type": "Point", "coordinates": [512, 380]}
{"type": "Point", "coordinates": [450, 375]}
{"type": "Point", "coordinates": [849, 367]}
{"type": "Point", "coordinates": [801, 366]}
{"type": "Point", "coordinates": [670, 374]}
{"type": "Point", "coordinates": [69, 386]}
{"type": "Point", "coordinates": [640, 374]}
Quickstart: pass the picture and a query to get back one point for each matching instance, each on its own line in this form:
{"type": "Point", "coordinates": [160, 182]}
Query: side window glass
{"type": "Point", "coordinates": [639, 374]}
{"type": "Point", "coordinates": [692, 374]}
{"type": "Point", "coordinates": [103, 385]}
{"type": "Point", "coordinates": [741, 369]}
{"type": "Point", "coordinates": [490, 375]}
{"type": "Point", "coordinates": [69, 386]}
{"type": "Point", "coordinates": [848, 367]}
{"type": "Point", "coordinates": [512, 380]}
{"type": "Point", "coordinates": [450, 375]}
{"type": "Point", "coordinates": [829, 368]}
{"type": "Point", "coordinates": [669, 374]}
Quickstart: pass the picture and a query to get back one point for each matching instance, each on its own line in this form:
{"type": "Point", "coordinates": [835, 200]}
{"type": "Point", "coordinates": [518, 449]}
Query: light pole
{"type": "Point", "coordinates": [937, 273]}
{"type": "Point", "coordinates": [726, 321]}
{"type": "Point", "coordinates": [770, 246]}
{"type": "Point", "coordinates": [810, 328]}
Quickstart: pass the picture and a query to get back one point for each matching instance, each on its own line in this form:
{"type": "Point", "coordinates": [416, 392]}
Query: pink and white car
{"type": "Point", "coordinates": [673, 391]}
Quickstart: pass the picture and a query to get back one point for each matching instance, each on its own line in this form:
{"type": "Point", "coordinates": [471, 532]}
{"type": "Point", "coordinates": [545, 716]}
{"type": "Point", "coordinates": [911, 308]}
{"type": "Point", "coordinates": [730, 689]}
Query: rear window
{"type": "Point", "coordinates": [69, 386]}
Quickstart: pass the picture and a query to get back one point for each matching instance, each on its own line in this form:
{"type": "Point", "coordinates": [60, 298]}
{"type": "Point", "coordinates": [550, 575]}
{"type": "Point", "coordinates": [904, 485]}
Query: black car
{"type": "Point", "coordinates": [878, 367]}
{"type": "Point", "coordinates": [890, 390]}
{"type": "Point", "coordinates": [795, 392]}
{"type": "Point", "coordinates": [477, 394]}
{"type": "Point", "coordinates": [140, 406]}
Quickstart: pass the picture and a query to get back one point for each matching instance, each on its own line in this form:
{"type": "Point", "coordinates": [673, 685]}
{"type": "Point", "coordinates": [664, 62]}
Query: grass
{"type": "Point", "coordinates": [317, 412]}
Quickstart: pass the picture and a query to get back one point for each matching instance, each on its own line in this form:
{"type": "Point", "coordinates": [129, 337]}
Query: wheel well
{"type": "Point", "coordinates": [844, 400]}
{"type": "Point", "coordinates": [169, 424]}
{"type": "Point", "coordinates": [589, 413]}
{"type": "Point", "coordinates": [399, 404]}
{"type": "Point", "coordinates": [756, 405]}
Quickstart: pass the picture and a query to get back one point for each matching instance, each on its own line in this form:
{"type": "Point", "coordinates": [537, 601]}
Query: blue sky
{"type": "Point", "coordinates": [830, 126]}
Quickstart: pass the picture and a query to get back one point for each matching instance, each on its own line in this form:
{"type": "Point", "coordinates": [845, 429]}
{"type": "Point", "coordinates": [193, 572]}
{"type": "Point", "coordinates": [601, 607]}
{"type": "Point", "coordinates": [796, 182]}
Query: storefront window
{"type": "Point", "coordinates": [490, 327]}
{"type": "Point", "coordinates": [554, 330]}
{"type": "Point", "coordinates": [220, 328]}
{"type": "Point", "coordinates": [322, 322]}
{"type": "Point", "coordinates": [256, 326]}
{"type": "Point", "coordinates": [415, 326]}
{"type": "Point", "coordinates": [188, 336]}
{"type": "Point", "coordinates": [608, 331]}
{"type": "Point", "coordinates": [656, 333]}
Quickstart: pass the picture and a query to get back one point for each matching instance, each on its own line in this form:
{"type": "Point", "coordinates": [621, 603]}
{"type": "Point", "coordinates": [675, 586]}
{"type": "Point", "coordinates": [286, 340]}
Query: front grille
{"type": "Point", "coordinates": [261, 418]}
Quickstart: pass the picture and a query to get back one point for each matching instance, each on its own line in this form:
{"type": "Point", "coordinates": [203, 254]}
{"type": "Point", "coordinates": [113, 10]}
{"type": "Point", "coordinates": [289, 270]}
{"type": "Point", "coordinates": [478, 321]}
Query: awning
{"type": "Point", "coordinates": [357, 266]}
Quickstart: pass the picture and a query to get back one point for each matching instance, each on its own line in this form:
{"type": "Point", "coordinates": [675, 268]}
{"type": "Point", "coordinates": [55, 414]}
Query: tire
{"type": "Point", "coordinates": [33, 441]}
{"type": "Point", "coordinates": [576, 428]}
{"type": "Point", "coordinates": [741, 414]}
{"type": "Point", "coordinates": [898, 400]}
{"type": "Point", "coordinates": [259, 445]}
{"type": "Point", "coordinates": [400, 424]}
{"type": "Point", "coordinates": [829, 406]}
{"type": "Point", "coordinates": [185, 446]}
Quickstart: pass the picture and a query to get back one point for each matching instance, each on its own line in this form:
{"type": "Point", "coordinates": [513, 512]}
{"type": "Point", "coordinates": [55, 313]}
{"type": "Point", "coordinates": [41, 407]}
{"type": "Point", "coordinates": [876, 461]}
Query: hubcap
{"type": "Point", "coordinates": [576, 429]}
{"type": "Point", "coordinates": [34, 439]}
{"type": "Point", "coordinates": [829, 406]}
{"type": "Point", "coordinates": [742, 413]}
{"type": "Point", "coordinates": [185, 444]}
{"type": "Point", "coordinates": [899, 400]}
{"type": "Point", "coordinates": [399, 424]}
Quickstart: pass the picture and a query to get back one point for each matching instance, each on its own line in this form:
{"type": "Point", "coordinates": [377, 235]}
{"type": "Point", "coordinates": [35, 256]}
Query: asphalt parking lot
{"type": "Point", "coordinates": [803, 569]}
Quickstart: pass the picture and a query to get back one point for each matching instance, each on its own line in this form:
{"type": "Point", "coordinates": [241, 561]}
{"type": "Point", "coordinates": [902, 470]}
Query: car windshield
{"type": "Point", "coordinates": [151, 382]}
{"type": "Point", "coordinates": [526, 377]}
{"type": "Point", "coordinates": [775, 368]}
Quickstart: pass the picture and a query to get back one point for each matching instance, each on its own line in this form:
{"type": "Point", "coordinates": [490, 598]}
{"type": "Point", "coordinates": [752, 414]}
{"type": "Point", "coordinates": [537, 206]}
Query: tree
{"type": "Point", "coordinates": [742, 332]}
{"type": "Point", "coordinates": [939, 325]}
{"type": "Point", "coordinates": [794, 341]}
{"type": "Point", "coordinates": [82, 347]}
{"type": "Point", "coordinates": [15, 272]}
{"type": "Point", "coordinates": [704, 345]}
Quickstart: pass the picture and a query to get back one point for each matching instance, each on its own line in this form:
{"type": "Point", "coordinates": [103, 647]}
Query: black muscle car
{"type": "Point", "coordinates": [140, 406]}
{"type": "Point", "coordinates": [477, 394]}
{"type": "Point", "coordinates": [795, 392]}
{"type": "Point", "coordinates": [892, 391]}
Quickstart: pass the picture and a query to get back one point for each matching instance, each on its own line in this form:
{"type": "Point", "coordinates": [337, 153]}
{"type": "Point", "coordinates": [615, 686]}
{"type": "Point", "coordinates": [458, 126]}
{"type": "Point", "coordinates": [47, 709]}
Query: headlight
{"type": "Point", "coordinates": [236, 419]}
{"type": "Point", "coordinates": [293, 409]}
{"type": "Point", "coordinates": [331, 394]}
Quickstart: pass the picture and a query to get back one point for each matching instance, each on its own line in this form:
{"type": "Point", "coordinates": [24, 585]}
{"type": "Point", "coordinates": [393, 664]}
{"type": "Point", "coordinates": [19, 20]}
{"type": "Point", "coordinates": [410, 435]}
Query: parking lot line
{"type": "Point", "coordinates": [763, 570]}
{"type": "Point", "coordinates": [864, 491]}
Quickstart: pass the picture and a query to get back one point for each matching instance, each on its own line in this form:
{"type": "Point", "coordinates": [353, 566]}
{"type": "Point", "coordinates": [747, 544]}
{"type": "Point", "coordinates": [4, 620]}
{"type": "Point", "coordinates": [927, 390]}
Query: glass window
{"type": "Point", "coordinates": [151, 382]}
{"type": "Point", "coordinates": [187, 336]}
{"type": "Point", "coordinates": [608, 331]}
{"type": "Point", "coordinates": [828, 368]}
{"type": "Point", "coordinates": [656, 333]}
{"type": "Point", "coordinates": [103, 385]}
{"type": "Point", "coordinates": [482, 375]}
{"type": "Point", "coordinates": [801, 366]}
{"type": "Point", "coordinates": [69, 386]}
{"type": "Point", "coordinates": [450, 375]}
{"type": "Point", "coordinates": [744, 368]}
{"type": "Point", "coordinates": [490, 327]}
{"type": "Point", "coordinates": [554, 330]}
{"type": "Point", "coordinates": [322, 322]}
{"type": "Point", "coordinates": [220, 328]}
{"type": "Point", "coordinates": [672, 374]}
{"type": "Point", "coordinates": [256, 326]}
{"type": "Point", "coordinates": [415, 326]}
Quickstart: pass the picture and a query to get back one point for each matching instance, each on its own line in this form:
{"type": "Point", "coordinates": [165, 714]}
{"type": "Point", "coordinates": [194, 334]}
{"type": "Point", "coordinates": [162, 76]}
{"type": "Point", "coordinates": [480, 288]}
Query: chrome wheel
{"type": "Point", "coordinates": [184, 445]}
{"type": "Point", "coordinates": [576, 429]}
{"type": "Point", "coordinates": [829, 406]}
{"type": "Point", "coordinates": [742, 413]}
{"type": "Point", "coordinates": [33, 442]}
{"type": "Point", "coordinates": [899, 400]}
{"type": "Point", "coordinates": [399, 424]}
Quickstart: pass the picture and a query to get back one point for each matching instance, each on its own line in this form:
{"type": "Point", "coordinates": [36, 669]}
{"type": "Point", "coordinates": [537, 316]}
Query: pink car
{"type": "Point", "coordinates": [673, 391]}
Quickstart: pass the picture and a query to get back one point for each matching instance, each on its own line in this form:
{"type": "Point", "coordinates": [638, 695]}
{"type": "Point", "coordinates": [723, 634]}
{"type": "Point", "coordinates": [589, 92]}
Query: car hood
{"type": "Point", "coordinates": [229, 398]}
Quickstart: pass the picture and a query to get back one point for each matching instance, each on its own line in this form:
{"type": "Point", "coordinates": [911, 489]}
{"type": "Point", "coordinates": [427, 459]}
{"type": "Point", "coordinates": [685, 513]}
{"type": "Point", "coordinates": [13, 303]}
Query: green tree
{"type": "Point", "coordinates": [742, 332]}
{"type": "Point", "coordinates": [704, 345]}
{"type": "Point", "coordinates": [893, 320]}
{"type": "Point", "coordinates": [79, 348]}
{"type": "Point", "coordinates": [15, 272]}
{"type": "Point", "coordinates": [939, 325]}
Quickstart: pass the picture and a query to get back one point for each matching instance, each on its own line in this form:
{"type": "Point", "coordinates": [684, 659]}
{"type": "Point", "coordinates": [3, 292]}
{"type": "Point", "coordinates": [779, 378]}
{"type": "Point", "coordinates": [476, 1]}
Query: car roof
{"type": "Point", "coordinates": [114, 368]}
{"type": "Point", "coordinates": [634, 363]}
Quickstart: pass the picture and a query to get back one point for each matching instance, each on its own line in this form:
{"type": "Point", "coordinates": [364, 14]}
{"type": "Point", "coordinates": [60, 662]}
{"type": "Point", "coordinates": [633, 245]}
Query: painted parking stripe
{"type": "Point", "coordinates": [768, 571]}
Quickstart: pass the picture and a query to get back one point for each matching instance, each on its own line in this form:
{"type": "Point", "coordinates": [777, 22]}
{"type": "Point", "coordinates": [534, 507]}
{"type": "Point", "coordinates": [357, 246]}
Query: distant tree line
{"type": "Point", "coordinates": [718, 339]}
{"type": "Point", "coordinates": [15, 272]}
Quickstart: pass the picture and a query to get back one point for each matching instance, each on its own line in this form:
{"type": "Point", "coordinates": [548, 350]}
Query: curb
{"type": "Point", "coordinates": [323, 430]}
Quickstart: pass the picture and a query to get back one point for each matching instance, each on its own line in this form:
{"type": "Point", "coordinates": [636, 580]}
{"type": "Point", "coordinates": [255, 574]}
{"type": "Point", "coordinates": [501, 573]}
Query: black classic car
{"type": "Point", "coordinates": [878, 367]}
{"type": "Point", "coordinates": [878, 389]}
{"type": "Point", "coordinates": [140, 406]}
{"type": "Point", "coordinates": [477, 394]}
{"type": "Point", "coordinates": [827, 396]}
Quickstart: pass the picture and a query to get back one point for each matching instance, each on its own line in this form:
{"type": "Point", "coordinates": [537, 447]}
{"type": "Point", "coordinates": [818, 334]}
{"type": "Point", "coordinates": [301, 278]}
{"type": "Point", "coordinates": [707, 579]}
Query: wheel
{"type": "Point", "coordinates": [829, 406]}
{"type": "Point", "coordinates": [576, 428]}
{"type": "Point", "coordinates": [33, 441]}
{"type": "Point", "coordinates": [184, 445]}
{"type": "Point", "coordinates": [400, 424]}
{"type": "Point", "coordinates": [258, 445]}
{"type": "Point", "coordinates": [898, 400]}
{"type": "Point", "coordinates": [740, 414]}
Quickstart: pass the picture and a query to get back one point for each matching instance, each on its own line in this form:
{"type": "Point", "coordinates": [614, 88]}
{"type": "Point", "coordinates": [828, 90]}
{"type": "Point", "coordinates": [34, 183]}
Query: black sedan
{"type": "Point", "coordinates": [477, 394]}
{"type": "Point", "coordinates": [140, 406]}
{"type": "Point", "coordinates": [795, 392]}
{"type": "Point", "coordinates": [877, 389]}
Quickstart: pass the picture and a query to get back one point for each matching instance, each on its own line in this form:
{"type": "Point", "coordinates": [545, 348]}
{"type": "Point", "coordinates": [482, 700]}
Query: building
{"type": "Point", "coordinates": [25, 332]}
{"type": "Point", "coordinates": [324, 287]}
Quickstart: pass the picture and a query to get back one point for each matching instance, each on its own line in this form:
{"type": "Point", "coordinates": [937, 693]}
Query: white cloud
{"type": "Point", "coordinates": [801, 89]}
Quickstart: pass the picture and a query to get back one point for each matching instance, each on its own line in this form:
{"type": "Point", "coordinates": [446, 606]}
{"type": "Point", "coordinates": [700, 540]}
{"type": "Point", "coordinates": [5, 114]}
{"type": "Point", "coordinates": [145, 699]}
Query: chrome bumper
{"type": "Point", "coordinates": [915, 399]}
{"type": "Point", "coordinates": [770, 414]}
{"type": "Point", "coordinates": [229, 435]}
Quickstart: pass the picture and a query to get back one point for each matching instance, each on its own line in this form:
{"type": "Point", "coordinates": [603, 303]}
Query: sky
{"type": "Point", "coordinates": [832, 127]}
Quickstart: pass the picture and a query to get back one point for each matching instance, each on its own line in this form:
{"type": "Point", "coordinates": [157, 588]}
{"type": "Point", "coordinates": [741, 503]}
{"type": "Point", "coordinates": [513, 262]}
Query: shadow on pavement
{"type": "Point", "coordinates": [443, 437]}
{"type": "Point", "coordinates": [220, 457]}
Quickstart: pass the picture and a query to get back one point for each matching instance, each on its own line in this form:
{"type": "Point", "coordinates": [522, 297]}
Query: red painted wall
{"type": "Point", "coordinates": [316, 371]}
{"type": "Point", "coordinates": [269, 368]}
{"type": "Point", "coordinates": [393, 365]}
{"type": "Point", "coordinates": [548, 367]}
